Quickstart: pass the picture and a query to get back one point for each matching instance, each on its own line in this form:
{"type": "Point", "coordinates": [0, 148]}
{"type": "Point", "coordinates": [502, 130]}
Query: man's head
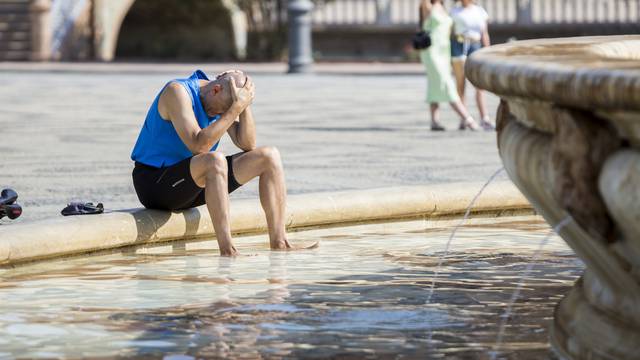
{"type": "Point", "coordinates": [217, 96]}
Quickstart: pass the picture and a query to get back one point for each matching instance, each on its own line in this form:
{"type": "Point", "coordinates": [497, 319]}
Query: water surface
{"type": "Point", "coordinates": [361, 294]}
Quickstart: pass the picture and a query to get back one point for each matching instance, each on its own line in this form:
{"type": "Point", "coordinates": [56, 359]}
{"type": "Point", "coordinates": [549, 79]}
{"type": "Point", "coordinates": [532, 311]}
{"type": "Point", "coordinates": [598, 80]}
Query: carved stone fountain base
{"type": "Point", "coordinates": [569, 137]}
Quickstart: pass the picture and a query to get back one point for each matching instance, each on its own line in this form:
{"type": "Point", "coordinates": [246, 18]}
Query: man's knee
{"type": "Point", "coordinates": [216, 163]}
{"type": "Point", "coordinates": [271, 156]}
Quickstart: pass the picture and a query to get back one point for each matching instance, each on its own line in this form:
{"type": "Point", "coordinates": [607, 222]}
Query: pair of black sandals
{"type": "Point", "coordinates": [11, 209]}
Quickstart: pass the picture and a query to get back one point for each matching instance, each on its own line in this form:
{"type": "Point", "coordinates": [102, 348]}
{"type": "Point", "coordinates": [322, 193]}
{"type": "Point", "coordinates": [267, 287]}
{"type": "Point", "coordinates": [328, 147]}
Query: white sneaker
{"type": "Point", "coordinates": [486, 124]}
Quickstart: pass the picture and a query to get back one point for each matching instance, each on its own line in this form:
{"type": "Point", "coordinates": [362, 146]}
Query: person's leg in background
{"type": "Point", "coordinates": [485, 120]}
{"type": "Point", "coordinates": [458, 72]}
{"type": "Point", "coordinates": [466, 120]}
{"type": "Point", "coordinates": [457, 63]}
{"type": "Point", "coordinates": [435, 117]}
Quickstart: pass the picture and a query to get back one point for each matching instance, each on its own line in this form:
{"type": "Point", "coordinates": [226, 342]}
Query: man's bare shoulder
{"type": "Point", "coordinates": [172, 99]}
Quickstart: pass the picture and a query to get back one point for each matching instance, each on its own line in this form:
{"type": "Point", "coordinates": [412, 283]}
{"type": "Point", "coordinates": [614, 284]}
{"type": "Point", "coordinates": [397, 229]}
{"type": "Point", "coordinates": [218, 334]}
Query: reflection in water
{"type": "Point", "coordinates": [455, 229]}
{"type": "Point", "coordinates": [507, 313]}
{"type": "Point", "coordinates": [361, 295]}
{"type": "Point", "coordinates": [452, 236]}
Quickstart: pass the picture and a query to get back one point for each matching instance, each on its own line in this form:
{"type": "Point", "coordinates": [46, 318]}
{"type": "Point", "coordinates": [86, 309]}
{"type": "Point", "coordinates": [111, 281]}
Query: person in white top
{"type": "Point", "coordinates": [470, 33]}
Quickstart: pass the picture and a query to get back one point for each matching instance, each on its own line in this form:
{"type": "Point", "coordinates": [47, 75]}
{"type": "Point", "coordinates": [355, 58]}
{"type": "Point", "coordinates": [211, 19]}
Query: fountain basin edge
{"type": "Point", "coordinates": [76, 235]}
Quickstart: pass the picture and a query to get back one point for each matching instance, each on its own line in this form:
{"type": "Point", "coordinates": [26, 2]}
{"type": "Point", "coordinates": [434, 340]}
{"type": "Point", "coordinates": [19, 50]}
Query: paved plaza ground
{"type": "Point", "coordinates": [67, 130]}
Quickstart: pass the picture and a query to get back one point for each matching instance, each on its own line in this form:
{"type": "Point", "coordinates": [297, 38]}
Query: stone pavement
{"type": "Point", "coordinates": [67, 133]}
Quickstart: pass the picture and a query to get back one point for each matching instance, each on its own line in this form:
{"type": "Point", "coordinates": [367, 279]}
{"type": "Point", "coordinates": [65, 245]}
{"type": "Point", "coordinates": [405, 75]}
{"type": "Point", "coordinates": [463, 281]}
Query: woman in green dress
{"type": "Point", "coordinates": [437, 61]}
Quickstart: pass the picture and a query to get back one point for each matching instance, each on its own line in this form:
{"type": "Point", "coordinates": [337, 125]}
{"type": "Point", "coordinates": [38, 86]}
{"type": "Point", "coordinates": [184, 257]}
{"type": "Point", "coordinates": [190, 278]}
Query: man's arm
{"type": "Point", "coordinates": [177, 104]}
{"type": "Point", "coordinates": [243, 132]}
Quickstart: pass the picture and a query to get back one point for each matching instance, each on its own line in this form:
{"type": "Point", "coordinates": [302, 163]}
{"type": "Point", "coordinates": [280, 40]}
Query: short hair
{"type": "Point", "coordinates": [239, 77]}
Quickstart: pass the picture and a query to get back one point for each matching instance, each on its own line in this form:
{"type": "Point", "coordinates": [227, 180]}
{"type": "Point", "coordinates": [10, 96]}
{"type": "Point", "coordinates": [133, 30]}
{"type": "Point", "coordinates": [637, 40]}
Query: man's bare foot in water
{"type": "Point", "coordinates": [231, 251]}
{"type": "Point", "coordinates": [286, 246]}
{"type": "Point", "coordinates": [228, 251]}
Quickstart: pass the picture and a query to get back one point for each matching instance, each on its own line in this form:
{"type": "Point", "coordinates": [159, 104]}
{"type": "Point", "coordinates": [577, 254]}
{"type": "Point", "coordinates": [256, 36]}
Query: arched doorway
{"type": "Point", "coordinates": [169, 30]}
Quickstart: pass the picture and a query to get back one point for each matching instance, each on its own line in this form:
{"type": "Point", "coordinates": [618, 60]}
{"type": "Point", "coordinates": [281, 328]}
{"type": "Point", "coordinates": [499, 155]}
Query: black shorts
{"type": "Point", "coordinates": [172, 187]}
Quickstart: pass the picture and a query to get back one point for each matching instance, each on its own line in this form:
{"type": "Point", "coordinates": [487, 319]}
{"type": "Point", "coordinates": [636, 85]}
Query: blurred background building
{"type": "Point", "coordinates": [224, 30]}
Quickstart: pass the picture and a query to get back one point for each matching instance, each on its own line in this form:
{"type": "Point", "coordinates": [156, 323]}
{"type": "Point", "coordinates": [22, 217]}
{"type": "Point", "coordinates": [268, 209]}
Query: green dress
{"type": "Point", "coordinates": [437, 58]}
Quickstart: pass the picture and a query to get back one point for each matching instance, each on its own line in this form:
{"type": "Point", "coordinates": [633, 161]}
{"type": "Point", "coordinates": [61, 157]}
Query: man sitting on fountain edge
{"type": "Point", "coordinates": [177, 165]}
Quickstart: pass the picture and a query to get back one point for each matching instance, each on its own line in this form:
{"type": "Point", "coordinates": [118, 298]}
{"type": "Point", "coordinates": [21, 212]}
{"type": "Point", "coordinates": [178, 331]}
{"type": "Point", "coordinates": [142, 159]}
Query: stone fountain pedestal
{"type": "Point", "coordinates": [569, 137]}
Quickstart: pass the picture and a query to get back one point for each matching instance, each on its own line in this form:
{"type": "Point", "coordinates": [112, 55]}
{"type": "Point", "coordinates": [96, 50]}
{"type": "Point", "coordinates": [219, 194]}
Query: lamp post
{"type": "Point", "coordinates": [383, 12]}
{"type": "Point", "coordinates": [523, 16]}
{"type": "Point", "coordinates": [300, 58]}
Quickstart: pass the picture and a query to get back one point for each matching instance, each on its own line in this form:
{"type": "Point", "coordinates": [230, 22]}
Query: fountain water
{"type": "Point", "coordinates": [525, 275]}
{"type": "Point", "coordinates": [453, 234]}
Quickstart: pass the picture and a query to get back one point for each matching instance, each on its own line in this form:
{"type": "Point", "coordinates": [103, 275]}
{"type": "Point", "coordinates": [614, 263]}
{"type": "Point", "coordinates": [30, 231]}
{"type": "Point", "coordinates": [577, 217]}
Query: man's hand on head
{"type": "Point", "coordinates": [242, 97]}
{"type": "Point", "coordinates": [229, 72]}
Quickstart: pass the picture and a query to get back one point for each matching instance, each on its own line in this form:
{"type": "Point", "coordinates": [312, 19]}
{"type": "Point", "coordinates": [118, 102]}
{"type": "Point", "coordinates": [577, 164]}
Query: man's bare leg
{"type": "Point", "coordinates": [265, 162]}
{"type": "Point", "coordinates": [209, 171]}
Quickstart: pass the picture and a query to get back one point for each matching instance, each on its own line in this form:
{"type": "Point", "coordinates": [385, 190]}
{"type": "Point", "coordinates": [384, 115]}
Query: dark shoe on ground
{"type": "Point", "coordinates": [8, 205]}
{"type": "Point", "coordinates": [12, 211]}
{"type": "Point", "coordinates": [8, 197]}
{"type": "Point", "coordinates": [78, 208]}
{"type": "Point", "coordinates": [437, 127]}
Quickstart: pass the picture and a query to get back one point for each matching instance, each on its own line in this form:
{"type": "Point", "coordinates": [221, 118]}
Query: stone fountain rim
{"type": "Point", "coordinates": [584, 72]}
{"type": "Point", "coordinates": [60, 237]}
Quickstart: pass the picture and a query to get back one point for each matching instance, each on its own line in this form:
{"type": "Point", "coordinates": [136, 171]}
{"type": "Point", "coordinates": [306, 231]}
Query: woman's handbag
{"type": "Point", "coordinates": [421, 40]}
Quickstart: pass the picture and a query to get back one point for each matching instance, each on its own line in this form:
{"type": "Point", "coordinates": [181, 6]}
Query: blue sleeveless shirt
{"type": "Point", "coordinates": [158, 144]}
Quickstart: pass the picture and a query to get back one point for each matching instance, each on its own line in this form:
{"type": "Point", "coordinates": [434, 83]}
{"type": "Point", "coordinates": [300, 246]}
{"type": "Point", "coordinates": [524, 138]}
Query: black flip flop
{"type": "Point", "coordinates": [8, 205]}
{"type": "Point", "coordinates": [78, 208]}
{"type": "Point", "coordinates": [8, 197]}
